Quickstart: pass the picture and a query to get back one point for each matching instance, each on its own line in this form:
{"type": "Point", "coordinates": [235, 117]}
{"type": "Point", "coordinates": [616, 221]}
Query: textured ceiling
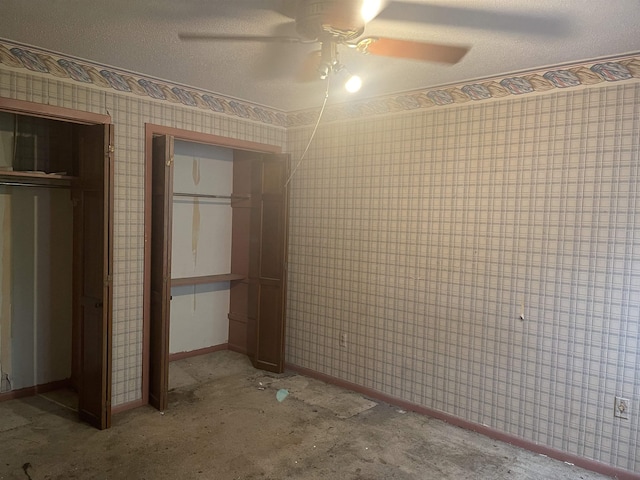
{"type": "Point", "coordinates": [142, 36]}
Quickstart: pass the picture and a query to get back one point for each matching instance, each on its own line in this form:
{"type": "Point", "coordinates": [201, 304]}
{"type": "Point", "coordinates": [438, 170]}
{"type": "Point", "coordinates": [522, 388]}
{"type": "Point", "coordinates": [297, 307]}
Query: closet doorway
{"type": "Point", "coordinates": [215, 252]}
{"type": "Point", "coordinates": [56, 203]}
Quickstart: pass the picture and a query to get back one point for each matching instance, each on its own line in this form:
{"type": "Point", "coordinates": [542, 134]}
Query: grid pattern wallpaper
{"type": "Point", "coordinates": [480, 260]}
{"type": "Point", "coordinates": [129, 114]}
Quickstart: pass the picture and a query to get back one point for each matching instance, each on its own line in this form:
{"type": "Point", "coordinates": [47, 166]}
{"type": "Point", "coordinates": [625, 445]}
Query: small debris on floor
{"type": "Point", "coordinates": [282, 394]}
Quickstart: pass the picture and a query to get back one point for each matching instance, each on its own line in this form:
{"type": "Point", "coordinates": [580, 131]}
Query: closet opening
{"type": "Point", "coordinates": [215, 252]}
{"type": "Point", "coordinates": [55, 257]}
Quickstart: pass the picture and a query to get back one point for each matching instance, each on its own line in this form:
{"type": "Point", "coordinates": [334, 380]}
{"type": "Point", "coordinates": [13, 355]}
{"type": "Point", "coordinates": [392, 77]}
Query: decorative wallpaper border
{"type": "Point", "coordinates": [44, 62]}
{"type": "Point", "coordinates": [613, 69]}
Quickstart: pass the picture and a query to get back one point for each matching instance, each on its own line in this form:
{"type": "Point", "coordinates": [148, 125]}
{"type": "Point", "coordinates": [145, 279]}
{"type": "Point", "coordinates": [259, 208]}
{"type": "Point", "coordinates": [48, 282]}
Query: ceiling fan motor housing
{"type": "Point", "coordinates": [337, 20]}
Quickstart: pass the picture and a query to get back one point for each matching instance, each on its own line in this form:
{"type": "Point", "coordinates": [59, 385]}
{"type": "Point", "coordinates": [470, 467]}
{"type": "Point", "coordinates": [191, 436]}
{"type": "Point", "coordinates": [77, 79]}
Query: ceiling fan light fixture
{"type": "Point", "coordinates": [353, 84]}
{"type": "Point", "coordinates": [370, 9]}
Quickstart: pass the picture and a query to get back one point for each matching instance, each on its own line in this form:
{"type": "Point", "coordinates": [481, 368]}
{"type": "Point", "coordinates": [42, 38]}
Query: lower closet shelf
{"type": "Point", "coordinates": [224, 277]}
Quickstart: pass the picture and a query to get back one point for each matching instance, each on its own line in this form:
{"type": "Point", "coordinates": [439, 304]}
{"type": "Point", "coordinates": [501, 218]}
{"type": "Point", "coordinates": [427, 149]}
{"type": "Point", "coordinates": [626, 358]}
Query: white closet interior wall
{"type": "Point", "coordinates": [36, 246]}
{"type": "Point", "coordinates": [201, 245]}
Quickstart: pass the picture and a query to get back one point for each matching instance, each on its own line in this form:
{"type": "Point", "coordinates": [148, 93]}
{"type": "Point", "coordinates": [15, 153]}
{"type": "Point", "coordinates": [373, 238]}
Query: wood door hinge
{"type": "Point", "coordinates": [169, 161]}
{"type": "Point", "coordinates": [108, 280]}
{"type": "Point", "coordinates": [111, 148]}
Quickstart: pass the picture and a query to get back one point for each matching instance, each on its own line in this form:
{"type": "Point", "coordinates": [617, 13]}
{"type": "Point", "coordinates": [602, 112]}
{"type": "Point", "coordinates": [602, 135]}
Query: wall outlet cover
{"type": "Point", "coordinates": [621, 408]}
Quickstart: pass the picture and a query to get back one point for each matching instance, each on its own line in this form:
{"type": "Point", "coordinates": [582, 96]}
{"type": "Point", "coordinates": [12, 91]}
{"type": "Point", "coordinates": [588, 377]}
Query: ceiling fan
{"type": "Point", "coordinates": [337, 23]}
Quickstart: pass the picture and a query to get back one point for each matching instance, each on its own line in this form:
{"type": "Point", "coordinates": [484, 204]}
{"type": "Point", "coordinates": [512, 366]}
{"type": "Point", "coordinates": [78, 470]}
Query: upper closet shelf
{"type": "Point", "coordinates": [225, 277]}
{"type": "Point", "coordinates": [208, 195]}
{"type": "Point", "coordinates": [34, 179]}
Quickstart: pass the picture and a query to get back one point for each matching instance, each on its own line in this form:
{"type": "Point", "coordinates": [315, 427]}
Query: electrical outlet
{"type": "Point", "coordinates": [621, 408]}
{"type": "Point", "coordinates": [343, 340]}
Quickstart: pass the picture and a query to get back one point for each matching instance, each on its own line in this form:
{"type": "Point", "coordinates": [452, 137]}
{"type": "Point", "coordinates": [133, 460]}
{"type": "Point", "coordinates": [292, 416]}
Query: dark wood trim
{"type": "Point", "coordinates": [582, 462]}
{"type": "Point", "coordinates": [210, 139]}
{"type": "Point", "coordinates": [109, 212]}
{"type": "Point", "coordinates": [35, 390]}
{"type": "Point", "coordinates": [237, 349]}
{"type": "Point", "coordinates": [205, 279]}
{"type": "Point", "coordinates": [125, 407]}
{"type": "Point", "coordinates": [201, 351]}
{"type": "Point", "coordinates": [49, 111]}
{"type": "Point", "coordinates": [236, 317]}
{"type": "Point", "coordinates": [180, 134]}
{"type": "Point", "coordinates": [146, 291]}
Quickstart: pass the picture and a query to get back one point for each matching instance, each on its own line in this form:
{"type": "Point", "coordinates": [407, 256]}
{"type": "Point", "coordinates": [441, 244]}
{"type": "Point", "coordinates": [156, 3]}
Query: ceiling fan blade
{"type": "Point", "coordinates": [351, 14]}
{"type": "Point", "coordinates": [240, 38]}
{"type": "Point", "coordinates": [288, 8]}
{"type": "Point", "coordinates": [477, 18]}
{"type": "Point", "coordinates": [430, 52]}
{"type": "Point", "coordinates": [280, 60]}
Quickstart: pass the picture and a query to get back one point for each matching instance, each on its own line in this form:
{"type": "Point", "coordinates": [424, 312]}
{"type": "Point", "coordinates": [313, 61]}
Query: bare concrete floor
{"type": "Point", "coordinates": [224, 422]}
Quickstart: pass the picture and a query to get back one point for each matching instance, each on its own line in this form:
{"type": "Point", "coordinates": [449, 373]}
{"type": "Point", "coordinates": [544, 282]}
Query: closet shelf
{"type": "Point", "coordinates": [33, 179]}
{"type": "Point", "coordinates": [207, 195]}
{"type": "Point", "coordinates": [224, 277]}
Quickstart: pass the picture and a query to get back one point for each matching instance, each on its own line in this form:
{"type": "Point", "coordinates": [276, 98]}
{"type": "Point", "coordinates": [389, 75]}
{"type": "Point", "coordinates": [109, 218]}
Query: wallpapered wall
{"type": "Point", "coordinates": [423, 227]}
{"type": "Point", "coordinates": [129, 114]}
{"type": "Point", "coordinates": [423, 237]}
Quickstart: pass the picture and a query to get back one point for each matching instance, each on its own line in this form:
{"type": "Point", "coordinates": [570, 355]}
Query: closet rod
{"type": "Point", "coordinates": [25, 184]}
{"type": "Point", "coordinates": [205, 195]}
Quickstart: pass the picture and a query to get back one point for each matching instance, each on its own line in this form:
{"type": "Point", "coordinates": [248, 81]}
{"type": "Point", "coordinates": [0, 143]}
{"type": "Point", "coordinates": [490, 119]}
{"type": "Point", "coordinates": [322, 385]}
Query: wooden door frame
{"type": "Point", "coordinates": [152, 130]}
{"type": "Point", "coordinates": [22, 107]}
{"type": "Point", "coordinates": [32, 109]}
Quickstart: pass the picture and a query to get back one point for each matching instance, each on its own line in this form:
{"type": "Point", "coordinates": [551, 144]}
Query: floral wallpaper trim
{"type": "Point", "coordinates": [48, 63]}
{"type": "Point", "coordinates": [614, 69]}
{"type": "Point", "coordinates": [567, 76]}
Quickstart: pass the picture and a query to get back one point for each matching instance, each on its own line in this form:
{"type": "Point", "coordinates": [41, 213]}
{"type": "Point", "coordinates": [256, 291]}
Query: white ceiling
{"type": "Point", "coordinates": [142, 36]}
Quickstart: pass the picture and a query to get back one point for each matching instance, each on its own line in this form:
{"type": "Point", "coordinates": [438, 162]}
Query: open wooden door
{"type": "Point", "coordinates": [268, 247]}
{"type": "Point", "coordinates": [259, 240]}
{"type": "Point", "coordinates": [161, 218]}
{"type": "Point", "coordinates": [93, 260]}
{"type": "Point", "coordinates": [259, 237]}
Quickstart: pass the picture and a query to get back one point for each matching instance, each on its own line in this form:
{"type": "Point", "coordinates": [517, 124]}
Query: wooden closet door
{"type": "Point", "coordinates": [240, 313]}
{"type": "Point", "coordinates": [259, 240]}
{"type": "Point", "coordinates": [269, 232]}
{"type": "Point", "coordinates": [161, 218]}
{"type": "Point", "coordinates": [93, 254]}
